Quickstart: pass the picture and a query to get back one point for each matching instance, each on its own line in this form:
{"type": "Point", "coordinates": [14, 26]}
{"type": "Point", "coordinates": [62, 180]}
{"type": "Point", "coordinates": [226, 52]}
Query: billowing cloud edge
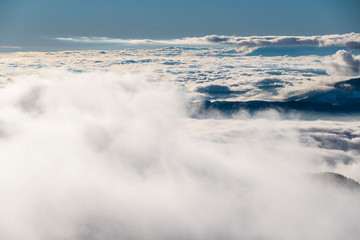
{"type": "Point", "coordinates": [349, 40]}
{"type": "Point", "coordinates": [343, 63]}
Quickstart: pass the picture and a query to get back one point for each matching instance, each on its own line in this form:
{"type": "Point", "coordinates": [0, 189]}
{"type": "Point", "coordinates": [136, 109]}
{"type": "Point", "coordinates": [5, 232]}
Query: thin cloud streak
{"type": "Point", "coordinates": [11, 47]}
{"type": "Point", "coordinates": [186, 41]}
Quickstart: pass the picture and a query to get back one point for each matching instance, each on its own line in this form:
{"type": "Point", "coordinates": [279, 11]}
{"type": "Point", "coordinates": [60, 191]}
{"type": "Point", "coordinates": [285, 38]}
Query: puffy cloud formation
{"type": "Point", "coordinates": [104, 155]}
{"type": "Point", "coordinates": [343, 63]}
{"type": "Point", "coordinates": [349, 40]}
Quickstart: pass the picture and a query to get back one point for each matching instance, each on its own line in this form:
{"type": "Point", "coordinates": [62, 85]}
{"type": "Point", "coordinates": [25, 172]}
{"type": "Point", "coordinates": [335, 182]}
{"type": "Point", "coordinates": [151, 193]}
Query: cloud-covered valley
{"type": "Point", "coordinates": [107, 145]}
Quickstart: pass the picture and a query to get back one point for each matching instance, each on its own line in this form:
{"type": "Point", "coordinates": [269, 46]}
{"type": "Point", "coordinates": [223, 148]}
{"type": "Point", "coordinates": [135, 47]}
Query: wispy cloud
{"type": "Point", "coordinates": [349, 40]}
{"type": "Point", "coordinates": [10, 47]}
{"type": "Point", "coordinates": [134, 41]}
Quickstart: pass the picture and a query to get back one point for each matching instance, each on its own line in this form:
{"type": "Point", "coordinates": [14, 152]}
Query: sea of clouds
{"type": "Point", "coordinates": [197, 68]}
{"type": "Point", "coordinates": [100, 145]}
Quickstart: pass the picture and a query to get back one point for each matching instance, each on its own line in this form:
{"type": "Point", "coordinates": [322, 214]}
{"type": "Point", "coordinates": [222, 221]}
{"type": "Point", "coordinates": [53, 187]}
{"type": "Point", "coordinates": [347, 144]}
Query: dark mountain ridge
{"type": "Point", "coordinates": [344, 98]}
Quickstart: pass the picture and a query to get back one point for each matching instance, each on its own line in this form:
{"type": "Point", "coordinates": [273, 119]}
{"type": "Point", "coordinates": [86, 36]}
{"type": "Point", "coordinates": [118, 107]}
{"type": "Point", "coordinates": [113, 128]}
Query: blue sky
{"type": "Point", "coordinates": [34, 23]}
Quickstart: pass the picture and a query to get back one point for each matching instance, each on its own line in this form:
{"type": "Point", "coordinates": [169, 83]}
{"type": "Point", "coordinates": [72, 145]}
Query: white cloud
{"type": "Point", "coordinates": [104, 155]}
{"type": "Point", "coordinates": [189, 68]}
{"type": "Point", "coordinates": [350, 40]}
{"type": "Point", "coordinates": [10, 47]}
{"type": "Point", "coordinates": [130, 41]}
{"type": "Point", "coordinates": [343, 63]}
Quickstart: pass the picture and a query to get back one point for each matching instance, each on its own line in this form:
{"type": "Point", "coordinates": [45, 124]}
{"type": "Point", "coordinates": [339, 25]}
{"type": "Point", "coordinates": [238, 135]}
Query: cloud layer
{"type": "Point", "coordinates": [246, 77]}
{"type": "Point", "coordinates": [104, 145]}
{"type": "Point", "coordinates": [349, 40]}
